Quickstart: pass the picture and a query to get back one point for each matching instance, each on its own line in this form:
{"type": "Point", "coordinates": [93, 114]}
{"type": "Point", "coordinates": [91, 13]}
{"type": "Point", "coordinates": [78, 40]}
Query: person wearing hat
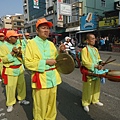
{"type": "Point", "coordinates": [1, 39]}
{"type": "Point", "coordinates": [67, 43]}
{"type": "Point", "coordinates": [13, 71]}
{"type": "Point", "coordinates": [1, 43]}
{"type": "Point", "coordinates": [27, 36]}
{"type": "Point", "coordinates": [40, 55]}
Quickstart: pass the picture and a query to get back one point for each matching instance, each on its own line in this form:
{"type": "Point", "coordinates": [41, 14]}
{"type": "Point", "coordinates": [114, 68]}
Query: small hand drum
{"type": "Point", "coordinates": [113, 75]}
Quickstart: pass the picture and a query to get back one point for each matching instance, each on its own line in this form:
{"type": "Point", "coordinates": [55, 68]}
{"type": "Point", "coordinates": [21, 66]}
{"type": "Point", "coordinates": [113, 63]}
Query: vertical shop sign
{"type": "Point", "coordinates": [36, 4]}
{"type": "Point", "coordinates": [59, 16]}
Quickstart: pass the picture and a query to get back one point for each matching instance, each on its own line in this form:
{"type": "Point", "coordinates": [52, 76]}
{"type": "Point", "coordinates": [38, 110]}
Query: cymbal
{"type": "Point", "coordinates": [65, 63]}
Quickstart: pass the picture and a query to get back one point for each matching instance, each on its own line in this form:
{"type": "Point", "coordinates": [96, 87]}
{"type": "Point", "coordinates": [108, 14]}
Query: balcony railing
{"type": "Point", "coordinates": [72, 24]}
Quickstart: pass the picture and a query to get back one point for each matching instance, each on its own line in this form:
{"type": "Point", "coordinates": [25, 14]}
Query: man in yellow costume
{"type": "Point", "coordinates": [1, 43]}
{"type": "Point", "coordinates": [1, 39]}
{"type": "Point", "coordinates": [13, 71]}
{"type": "Point", "coordinates": [91, 60]}
{"type": "Point", "coordinates": [40, 55]}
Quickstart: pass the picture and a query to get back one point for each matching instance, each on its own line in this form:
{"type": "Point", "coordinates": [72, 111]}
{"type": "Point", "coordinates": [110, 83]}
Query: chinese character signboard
{"type": "Point", "coordinates": [109, 22]}
{"type": "Point", "coordinates": [59, 16]}
{"type": "Point", "coordinates": [36, 4]}
{"type": "Point", "coordinates": [65, 9]}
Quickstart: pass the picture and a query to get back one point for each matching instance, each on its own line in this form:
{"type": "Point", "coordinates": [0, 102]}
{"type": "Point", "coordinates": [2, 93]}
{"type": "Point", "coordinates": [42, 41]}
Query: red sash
{"type": "Point", "coordinates": [36, 78]}
{"type": "Point", "coordinates": [4, 76]}
{"type": "Point", "coordinates": [84, 72]}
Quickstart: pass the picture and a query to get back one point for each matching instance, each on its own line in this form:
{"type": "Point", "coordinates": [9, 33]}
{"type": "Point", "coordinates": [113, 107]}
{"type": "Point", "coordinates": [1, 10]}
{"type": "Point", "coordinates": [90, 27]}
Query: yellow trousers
{"type": "Point", "coordinates": [91, 92]}
{"type": "Point", "coordinates": [44, 104]}
{"type": "Point", "coordinates": [15, 83]}
{"type": "Point", "coordinates": [1, 65]}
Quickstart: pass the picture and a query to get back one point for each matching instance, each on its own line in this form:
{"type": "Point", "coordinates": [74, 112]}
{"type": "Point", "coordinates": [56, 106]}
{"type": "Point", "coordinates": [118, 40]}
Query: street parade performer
{"type": "Point", "coordinates": [13, 71]}
{"type": "Point", "coordinates": [91, 62]}
{"type": "Point", "coordinates": [1, 43]}
{"type": "Point", "coordinates": [40, 58]}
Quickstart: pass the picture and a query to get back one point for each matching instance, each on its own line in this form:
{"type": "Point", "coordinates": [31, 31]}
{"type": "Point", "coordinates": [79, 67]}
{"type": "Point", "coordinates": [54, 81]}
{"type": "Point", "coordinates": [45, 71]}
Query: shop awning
{"type": "Point", "coordinates": [85, 31]}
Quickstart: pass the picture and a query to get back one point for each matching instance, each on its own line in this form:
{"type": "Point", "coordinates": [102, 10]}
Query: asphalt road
{"type": "Point", "coordinates": [69, 98]}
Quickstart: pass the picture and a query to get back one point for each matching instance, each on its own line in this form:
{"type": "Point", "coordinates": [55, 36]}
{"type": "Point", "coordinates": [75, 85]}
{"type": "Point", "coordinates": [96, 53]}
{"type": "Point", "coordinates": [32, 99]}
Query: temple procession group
{"type": "Point", "coordinates": [39, 56]}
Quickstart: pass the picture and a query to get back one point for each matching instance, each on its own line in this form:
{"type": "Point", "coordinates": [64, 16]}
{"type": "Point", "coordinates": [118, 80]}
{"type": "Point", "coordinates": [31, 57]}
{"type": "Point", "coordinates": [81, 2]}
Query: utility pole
{"type": "Point", "coordinates": [54, 17]}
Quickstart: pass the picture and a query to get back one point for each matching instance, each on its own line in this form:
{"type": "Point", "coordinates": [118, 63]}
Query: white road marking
{"type": "Point", "coordinates": [2, 114]}
{"type": "Point", "coordinates": [1, 109]}
{"type": "Point", "coordinates": [4, 119]}
{"type": "Point", "coordinates": [116, 98]}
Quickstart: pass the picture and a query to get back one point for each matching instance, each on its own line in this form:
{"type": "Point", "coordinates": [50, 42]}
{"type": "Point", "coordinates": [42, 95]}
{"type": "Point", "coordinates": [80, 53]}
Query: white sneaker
{"type": "Point", "coordinates": [0, 80]}
{"type": "Point", "coordinates": [99, 104]}
{"type": "Point", "coordinates": [10, 109]}
{"type": "Point", "coordinates": [86, 108]}
{"type": "Point", "coordinates": [24, 102]}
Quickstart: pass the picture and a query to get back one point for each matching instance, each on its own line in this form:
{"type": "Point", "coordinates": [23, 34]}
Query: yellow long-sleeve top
{"type": "Point", "coordinates": [1, 65]}
{"type": "Point", "coordinates": [90, 58]}
{"type": "Point", "coordinates": [1, 43]}
{"type": "Point", "coordinates": [9, 60]}
{"type": "Point", "coordinates": [36, 53]}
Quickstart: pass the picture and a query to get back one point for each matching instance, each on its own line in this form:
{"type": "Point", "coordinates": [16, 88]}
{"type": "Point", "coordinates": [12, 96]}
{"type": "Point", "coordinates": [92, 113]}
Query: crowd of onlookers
{"type": "Point", "coordinates": [106, 43]}
{"type": "Point", "coordinates": [102, 43]}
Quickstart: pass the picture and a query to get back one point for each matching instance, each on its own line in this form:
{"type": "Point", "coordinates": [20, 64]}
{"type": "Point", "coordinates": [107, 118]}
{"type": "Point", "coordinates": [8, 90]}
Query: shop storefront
{"type": "Point", "coordinates": [109, 27]}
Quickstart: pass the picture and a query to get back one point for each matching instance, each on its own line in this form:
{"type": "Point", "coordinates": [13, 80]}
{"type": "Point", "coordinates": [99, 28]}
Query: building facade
{"type": "Point", "coordinates": [1, 23]}
{"type": "Point", "coordinates": [67, 25]}
{"type": "Point", "coordinates": [95, 9]}
{"type": "Point", "coordinates": [32, 11]}
{"type": "Point", "coordinates": [15, 22]}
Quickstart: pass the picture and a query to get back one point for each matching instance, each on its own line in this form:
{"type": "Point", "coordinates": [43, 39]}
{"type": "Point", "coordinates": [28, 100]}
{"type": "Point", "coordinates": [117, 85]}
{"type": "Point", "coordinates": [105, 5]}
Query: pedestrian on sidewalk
{"type": "Point", "coordinates": [13, 71]}
{"type": "Point", "coordinates": [40, 58]}
{"type": "Point", "coordinates": [91, 86]}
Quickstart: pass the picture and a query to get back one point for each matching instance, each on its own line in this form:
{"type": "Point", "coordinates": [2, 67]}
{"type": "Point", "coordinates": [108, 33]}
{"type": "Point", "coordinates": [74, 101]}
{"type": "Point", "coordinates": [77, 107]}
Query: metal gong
{"type": "Point", "coordinates": [65, 63]}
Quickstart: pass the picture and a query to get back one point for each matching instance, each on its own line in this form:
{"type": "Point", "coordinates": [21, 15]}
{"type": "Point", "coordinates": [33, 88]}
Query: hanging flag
{"type": "Point", "coordinates": [36, 4]}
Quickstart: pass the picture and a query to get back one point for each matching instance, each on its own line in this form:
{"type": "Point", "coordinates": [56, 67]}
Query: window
{"type": "Point", "coordinates": [68, 1]}
{"type": "Point", "coordinates": [103, 3]}
{"type": "Point", "coordinates": [18, 17]}
{"type": "Point", "coordinates": [34, 28]}
{"type": "Point", "coordinates": [29, 29]}
{"type": "Point", "coordinates": [7, 23]}
{"type": "Point", "coordinates": [25, 1]}
{"type": "Point", "coordinates": [68, 19]}
{"type": "Point", "coordinates": [26, 19]}
{"type": "Point", "coordinates": [25, 11]}
{"type": "Point", "coordinates": [18, 23]}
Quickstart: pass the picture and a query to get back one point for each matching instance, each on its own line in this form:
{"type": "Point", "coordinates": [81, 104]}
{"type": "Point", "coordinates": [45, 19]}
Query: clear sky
{"type": "Point", "coordinates": [10, 7]}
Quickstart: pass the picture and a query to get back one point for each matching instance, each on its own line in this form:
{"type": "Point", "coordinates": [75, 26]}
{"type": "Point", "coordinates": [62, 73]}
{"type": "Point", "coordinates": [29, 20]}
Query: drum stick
{"type": "Point", "coordinates": [105, 61]}
{"type": "Point", "coordinates": [61, 59]}
{"type": "Point", "coordinates": [109, 61]}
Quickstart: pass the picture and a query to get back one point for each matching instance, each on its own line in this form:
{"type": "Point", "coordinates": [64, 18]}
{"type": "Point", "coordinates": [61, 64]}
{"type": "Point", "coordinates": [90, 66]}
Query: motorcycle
{"type": "Point", "coordinates": [72, 52]}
